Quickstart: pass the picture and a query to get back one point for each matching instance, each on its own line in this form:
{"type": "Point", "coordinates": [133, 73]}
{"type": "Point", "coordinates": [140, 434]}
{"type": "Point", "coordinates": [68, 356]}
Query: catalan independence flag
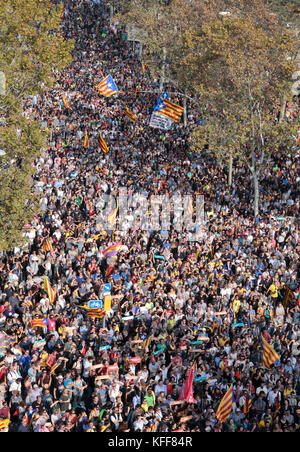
{"type": "Point", "coordinates": [107, 86]}
{"type": "Point", "coordinates": [113, 249]}
{"type": "Point", "coordinates": [49, 290]}
{"type": "Point", "coordinates": [225, 407]}
{"type": "Point", "coordinates": [92, 312]}
{"type": "Point", "coordinates": [248, 402]}
{"type": "Point", "coordinates": [86, 143]}
{"type": "Point", "coordinates": [103, 145]}
{"type": "Point", "coordinates": [269, 354]}
{"type": "Point", "coordinates": [66, 103]}
{"type": "Point", "coordinates": [47, 246]}
{"type": "Point", "coordinates": [167, 108]}
{"type": "Point", "coordinates": [38, 323]}
{"type": "Point", "coordinates": [128, 113]}
{"type": "Point", "coordinates": [28, 303]}
{"type": "Point", "coordinates": [146, 342]}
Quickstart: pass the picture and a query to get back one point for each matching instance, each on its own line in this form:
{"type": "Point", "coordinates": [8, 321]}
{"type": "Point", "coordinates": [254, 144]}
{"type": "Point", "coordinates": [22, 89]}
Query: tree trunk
{"type": "Point", "coordinates": [282, 109]}
{"type": "Point", "coordinates": [230, 170]}
{"type": "Point", "coordinates": [162, 77]}
{"type": "Point", "coordinates": [256, 193]}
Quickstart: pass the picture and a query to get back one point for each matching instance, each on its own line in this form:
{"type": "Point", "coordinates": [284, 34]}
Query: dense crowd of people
{"type": "Point", "coordinates": [174, 302]}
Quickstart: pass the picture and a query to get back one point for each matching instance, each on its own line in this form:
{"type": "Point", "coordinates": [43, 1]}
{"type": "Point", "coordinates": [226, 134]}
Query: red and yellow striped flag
{"type": "Point", "coordinates": [248, 402]}
{"type": "Point", "coordinates": [107, 86]}
{"type": "Point", "coordinates": [49, 290]}
{"type": "Point", "coordinates": [225, 407]}
{"type": "Point", "coordinates": [170, 110]}
{"type": "Point", "coordinates": [112, 217]}
{"type": "Point", "coordinates": [86, 143]}
{"type": "Point", "coordinates": [96, 313]}
{"type": "Point", "coordinates": [28, 303]}
{"type": "Point", "coordinates": [146, 342]}
{"type": "Point", "coordinates": [132, 116]}
{"type": "Point", "coordinates": [103, 145]}
{"type": "Point", "coordinates": [93, 312]}
{"type": "Point", "coordinates": [190, 208]}
{"type": "Point", "coordinates": [66, 103]}
{"type": "Point", "coordinates": [38, 323]}
{"type": "Point", "coordinates": [54, 367]}
{"type": "Point", "coordinates": [269, 354]}
{"type": "Point", "coordinates": [47, 246]}
{"type": "Point", "coordinates": [4, 423]}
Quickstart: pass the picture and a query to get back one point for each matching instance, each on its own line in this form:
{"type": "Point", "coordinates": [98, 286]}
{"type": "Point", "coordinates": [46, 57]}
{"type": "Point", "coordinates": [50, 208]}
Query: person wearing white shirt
{"type": "Point", "coordinates": [139, 423]}
{"type": "Point", "coordinates": [13, 375]}
{"type": "Point", "coordinates": [272, 395]}
{"type": "Point", "coordinates": [261, 388]}
{"type": "Point", "coordinates": [114, 391]}
{"type": "Point", "coordinates": [143, 374]}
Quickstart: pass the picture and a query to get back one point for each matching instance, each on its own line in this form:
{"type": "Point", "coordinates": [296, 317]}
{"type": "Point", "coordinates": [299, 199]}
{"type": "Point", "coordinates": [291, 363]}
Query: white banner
{"type": "Point", "coordinates": [160, 122]}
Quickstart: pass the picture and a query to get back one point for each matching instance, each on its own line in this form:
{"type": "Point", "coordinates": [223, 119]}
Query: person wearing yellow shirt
{"type": "Point", "coordinates": [273, 289]}
{"type": "Point", "coordinates": [236, 305]}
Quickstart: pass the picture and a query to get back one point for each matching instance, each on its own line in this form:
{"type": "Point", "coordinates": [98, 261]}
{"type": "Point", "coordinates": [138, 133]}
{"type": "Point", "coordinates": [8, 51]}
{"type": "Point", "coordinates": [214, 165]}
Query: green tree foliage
{"type": "Point", "coordinates": [32, 51]}
{"type": "Point", "coordinates": [163, 25]}
{"type": "Point", "coordinates": [242, 65]}
{"type": "Point", "coordinates": [236, 60]}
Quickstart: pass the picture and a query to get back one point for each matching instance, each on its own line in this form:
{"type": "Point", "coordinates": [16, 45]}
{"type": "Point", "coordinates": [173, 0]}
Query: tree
{"type": "Point", "coordinates": [163, 25]}
{"type": "Point", "coordinates": [241, 64]}
{"type": "Point", "coordinates": [32, 51]}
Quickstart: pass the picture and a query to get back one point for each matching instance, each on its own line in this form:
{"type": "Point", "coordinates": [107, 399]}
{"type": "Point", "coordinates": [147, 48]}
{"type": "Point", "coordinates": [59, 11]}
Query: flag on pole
{"type": "Point", "coordinates": [187, 390]}
{"type": "Point", "coordinates": [107, 86]}
{"type": "Point", "coordinates": [269, 354]}
{"type": "Point", "coordinates": [167, 108]}
{"type": "Point", "coordinates": [128, 113]}
{"type": "Point", "coordinates": [103, 145]}
{"type": "Point", "coordinates": [248, 402]}
{"type": "Point", "coordinates": [225, 407]}
{"type": "Point", "coordinates": [86, 143]}
{"type": "Point", "coordinates": [49, 290]}
{"type": "Point", "coordinates": [157, 120]}
{"type": "Point", "coordinates": [66, 103]}
{"type": "Point", "coordinates": [47, 246]}
{"type": "Point", "coordinates": [113, 250]}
